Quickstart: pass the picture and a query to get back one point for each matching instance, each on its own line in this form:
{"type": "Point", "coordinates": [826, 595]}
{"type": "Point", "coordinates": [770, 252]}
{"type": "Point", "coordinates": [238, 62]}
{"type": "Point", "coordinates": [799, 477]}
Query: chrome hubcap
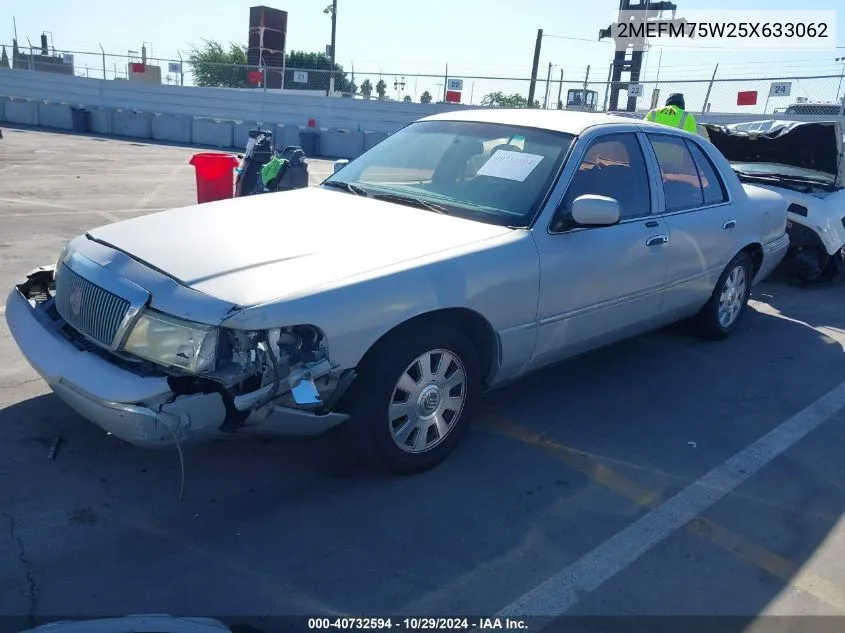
{"type": "Point", "coordinates": [732, 297]}
{"type": "Point", "coordinates": [427, 401]}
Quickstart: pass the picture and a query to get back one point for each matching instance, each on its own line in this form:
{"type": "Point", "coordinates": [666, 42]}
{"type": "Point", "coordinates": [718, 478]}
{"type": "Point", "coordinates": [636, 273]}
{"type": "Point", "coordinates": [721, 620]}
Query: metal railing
{"type": "Point", "coordinates": [312, 74]}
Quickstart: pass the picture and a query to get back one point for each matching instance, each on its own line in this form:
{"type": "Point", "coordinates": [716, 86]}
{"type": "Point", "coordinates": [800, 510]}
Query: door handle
{"type": "Point", "coordinates": [651, 224]}
{"type": "Point", "coordinates": [729, 224]}
{"type": "Point", "coordinates": [656, 240]}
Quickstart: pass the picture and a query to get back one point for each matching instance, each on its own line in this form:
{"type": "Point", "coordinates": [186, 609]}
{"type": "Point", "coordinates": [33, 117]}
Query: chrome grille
{"type": "Point", "coordinates": [88, 308]}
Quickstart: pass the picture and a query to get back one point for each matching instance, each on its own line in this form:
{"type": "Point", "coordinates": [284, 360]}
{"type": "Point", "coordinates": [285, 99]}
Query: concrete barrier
{"type": "Point", "coordinates": [240, 133]}
{"type": "Point", "coordinates": [55, 115]}
{"type": "Point", "coordinates": [212, 132]}
{"type": "Point", "coordinates": [99, 120]}
{"type": "Point", "coordinates": [309, 141]}
{"type": "Point", "coordinates": [21, 111]}
{"type": "Point", "coordinates": [286, 136]}
{"type": "Point", "coordinates": [171, 127]}
{"type": "Point", "coordinates": [371, 139]}
{"type": "Point", "coordinates": [132, 123]}
{"type": "Point", "coordinates": [341, 143]}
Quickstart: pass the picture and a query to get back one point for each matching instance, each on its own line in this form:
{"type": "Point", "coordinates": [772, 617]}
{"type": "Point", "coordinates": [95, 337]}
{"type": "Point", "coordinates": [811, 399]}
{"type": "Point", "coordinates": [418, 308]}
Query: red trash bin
{"type": "Point", "coordinates": [215, 176]}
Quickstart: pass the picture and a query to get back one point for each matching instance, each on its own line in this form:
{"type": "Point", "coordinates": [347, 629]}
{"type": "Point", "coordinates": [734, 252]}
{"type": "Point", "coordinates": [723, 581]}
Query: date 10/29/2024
{"type": "Point", "coordinates": [418, 624]}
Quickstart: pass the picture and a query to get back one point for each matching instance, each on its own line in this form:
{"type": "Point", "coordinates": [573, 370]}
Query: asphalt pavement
{"type": "Point", "coordinates": [664, 475]}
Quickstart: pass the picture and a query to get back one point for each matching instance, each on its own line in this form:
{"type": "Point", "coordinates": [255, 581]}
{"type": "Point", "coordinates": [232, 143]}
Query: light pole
{"type": "Point", "coordinates": [398, 86]}
{"type": "Point", "coordinates": [332, 10]}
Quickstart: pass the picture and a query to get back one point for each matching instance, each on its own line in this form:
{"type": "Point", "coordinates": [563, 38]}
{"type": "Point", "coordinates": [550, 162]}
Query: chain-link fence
{"type": "Point", "coordinates": [769, 95]}
{"type": "Point", "coordinates": [312, 74]}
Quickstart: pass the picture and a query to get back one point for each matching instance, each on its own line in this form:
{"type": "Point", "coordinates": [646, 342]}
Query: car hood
{"type": "Point", "coordinates": [256, 249]}
{"type": "Point", "coordinates": [806, 145]}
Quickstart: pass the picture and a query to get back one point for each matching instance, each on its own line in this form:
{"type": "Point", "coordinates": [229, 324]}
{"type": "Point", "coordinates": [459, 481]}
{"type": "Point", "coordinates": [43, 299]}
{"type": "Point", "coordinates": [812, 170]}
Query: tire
{"type": "Point", "coordinates": [736, 277]}
{"type": "Point", "coordinates": [395, 364]}
{"type": "Point", "coordinates": [810, 264]}
{"type": "Point", "coordinates": [835, 266]}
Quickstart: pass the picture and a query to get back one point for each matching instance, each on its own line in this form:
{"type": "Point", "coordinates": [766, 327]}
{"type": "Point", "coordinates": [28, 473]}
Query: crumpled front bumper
{"type": "Point", "coordinates": [141, 410]}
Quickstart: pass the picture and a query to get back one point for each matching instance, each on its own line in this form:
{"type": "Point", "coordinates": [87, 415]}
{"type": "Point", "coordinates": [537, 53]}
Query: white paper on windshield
{"type": "Point", "coordinates": [510, 165]}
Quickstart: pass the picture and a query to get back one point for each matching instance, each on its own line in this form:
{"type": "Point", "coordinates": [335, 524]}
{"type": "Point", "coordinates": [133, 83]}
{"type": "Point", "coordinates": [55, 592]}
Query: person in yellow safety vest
{"type": "Point", "coordinates": [673, 114]}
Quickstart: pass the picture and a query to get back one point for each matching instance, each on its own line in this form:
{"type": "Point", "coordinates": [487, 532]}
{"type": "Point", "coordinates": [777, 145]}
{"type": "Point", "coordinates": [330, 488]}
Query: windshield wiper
{"type": "Point", "coordinates": [412, 202]}
{"type": "Point", "coordinates": [347, 186]}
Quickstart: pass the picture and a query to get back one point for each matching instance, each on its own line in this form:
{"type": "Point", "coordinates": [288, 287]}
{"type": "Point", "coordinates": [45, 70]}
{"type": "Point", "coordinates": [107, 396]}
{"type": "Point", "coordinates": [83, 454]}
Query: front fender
{"type": "Point", "coordinates": [500, 281]}
{"type": "Point", "coordinates": [824, 217]}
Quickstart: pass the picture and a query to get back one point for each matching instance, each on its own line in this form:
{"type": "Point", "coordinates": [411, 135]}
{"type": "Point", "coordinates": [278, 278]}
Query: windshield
{"type": "Point", "coordinates": [778, 169]}
{"type": "Point", "coordinates": [487, 172]}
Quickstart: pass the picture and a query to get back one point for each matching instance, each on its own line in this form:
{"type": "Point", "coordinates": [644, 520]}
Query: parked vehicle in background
{"type": "Point", "coordinates": [805, 163]}
{"type": "Point", "coordinates": [812, 109]}
{"type": "Point", "coordinates": [581, 100]}
{"type": "Point", "coordinates": [459, 254]}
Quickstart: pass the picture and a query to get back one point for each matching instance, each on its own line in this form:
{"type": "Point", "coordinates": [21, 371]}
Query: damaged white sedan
{"type": "Point", "coordinates": [459, 254]}
{"type": "Point", "coordinates": [805, 162]}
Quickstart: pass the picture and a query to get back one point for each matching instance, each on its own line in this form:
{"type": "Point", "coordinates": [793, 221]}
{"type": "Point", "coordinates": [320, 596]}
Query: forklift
{"type": "Point", "coordinates": [580, 100]}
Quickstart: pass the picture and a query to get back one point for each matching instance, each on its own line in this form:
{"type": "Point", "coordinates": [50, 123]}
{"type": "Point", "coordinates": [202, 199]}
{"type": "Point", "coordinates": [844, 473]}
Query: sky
{"type": "Point", "coordinates": [394, 39]}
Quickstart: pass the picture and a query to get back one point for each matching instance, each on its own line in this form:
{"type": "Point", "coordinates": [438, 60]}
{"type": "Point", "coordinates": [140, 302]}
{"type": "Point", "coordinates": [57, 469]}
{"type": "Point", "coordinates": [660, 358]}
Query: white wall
{"type": "Point", "coordinates": [278, 107]}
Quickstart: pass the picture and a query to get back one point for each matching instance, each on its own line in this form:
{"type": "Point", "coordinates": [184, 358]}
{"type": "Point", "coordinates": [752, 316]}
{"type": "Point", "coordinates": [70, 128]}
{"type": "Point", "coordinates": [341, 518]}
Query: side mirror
{"type": "Point", "coordinates": [593, 210]}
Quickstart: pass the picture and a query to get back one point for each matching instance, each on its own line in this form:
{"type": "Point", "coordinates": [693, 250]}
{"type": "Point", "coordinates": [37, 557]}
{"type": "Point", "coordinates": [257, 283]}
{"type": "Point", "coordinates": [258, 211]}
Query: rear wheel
{"type": "Point", "coordinates": [722, 313]}
{"type": "Point", "coordinates": [414, 398]}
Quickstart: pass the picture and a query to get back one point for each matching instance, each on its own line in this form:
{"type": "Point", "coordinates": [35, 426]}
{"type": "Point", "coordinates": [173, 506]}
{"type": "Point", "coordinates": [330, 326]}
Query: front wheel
{"type": "Point", "coordinates": [414, 398]}
{"type": "Point", "coordinates": [721, 315]}
{"type": "Point", "coordinates": [810, 264]}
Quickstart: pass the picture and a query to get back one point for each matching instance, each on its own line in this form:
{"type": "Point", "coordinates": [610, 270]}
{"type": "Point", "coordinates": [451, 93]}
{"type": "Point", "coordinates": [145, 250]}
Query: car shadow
{"type": "Point", "coordinates": [294, 527]}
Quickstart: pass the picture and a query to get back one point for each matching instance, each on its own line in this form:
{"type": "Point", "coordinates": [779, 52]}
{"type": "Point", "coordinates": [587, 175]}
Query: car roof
{"type": "Point", "coordinates": [567, 121]}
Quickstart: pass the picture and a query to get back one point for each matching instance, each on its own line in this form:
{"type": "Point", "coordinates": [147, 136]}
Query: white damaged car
{"type": "Point", "coordinates": [461, 253]}
{"type": "Point", "coordinates": [805, 162]}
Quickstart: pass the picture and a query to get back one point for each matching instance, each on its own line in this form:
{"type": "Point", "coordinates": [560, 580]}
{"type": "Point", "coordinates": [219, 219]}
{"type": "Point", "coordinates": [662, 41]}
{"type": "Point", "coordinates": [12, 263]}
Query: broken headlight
{"type": "Point", "coordinates": [172, 342]}
{"type": "Point", "coordinates": [62, 257]}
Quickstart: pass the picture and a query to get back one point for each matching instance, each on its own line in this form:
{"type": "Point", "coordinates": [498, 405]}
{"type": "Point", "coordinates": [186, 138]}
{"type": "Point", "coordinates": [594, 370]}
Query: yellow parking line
{"type": "Point", "coordinates": [591, 466]}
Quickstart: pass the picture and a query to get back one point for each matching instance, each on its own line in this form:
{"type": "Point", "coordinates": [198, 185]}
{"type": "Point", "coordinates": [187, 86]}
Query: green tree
{"type": "Point", "coordinates": [381, 88]}
{"type": "Point", "coordinates": [4, 59]}
{"type": "Point", "coordinates": [501, 100]}
{"type": "Point", "coordinates": [425, 97]}
{"type": "Point", "coordinates": [407, 99]}
{"type": "Point", "coordinates": [217, 65]}
{"type": "Point", "coordinates": [318, 67]}
{"type": "Point", "coordinates": [367, 88]}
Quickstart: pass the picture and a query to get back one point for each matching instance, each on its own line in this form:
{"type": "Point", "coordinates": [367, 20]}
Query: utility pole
{"type": "Point", "coordinates": [548, 81]}
{"type": "Point", "coordinates": [709, 88]}
{"type": "Point", "coordinates": [560, 91]}
{"type": "Point", "coordinates": [536, 63]}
